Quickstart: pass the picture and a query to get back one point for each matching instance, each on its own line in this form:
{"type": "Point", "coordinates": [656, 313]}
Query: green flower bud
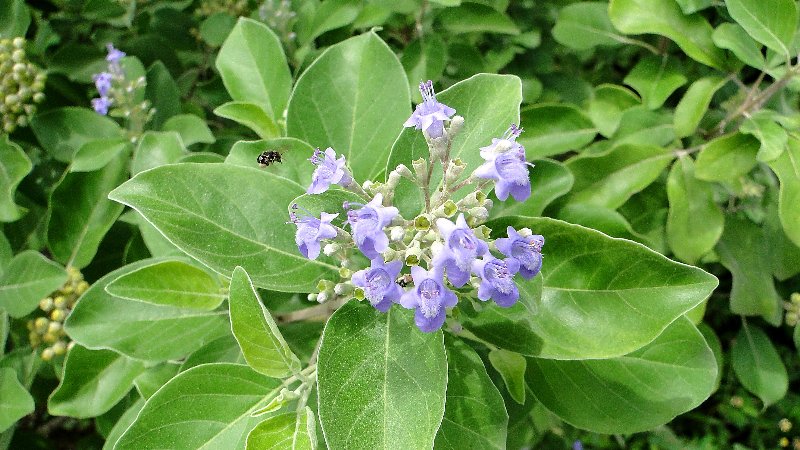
{"type": "Point", "coordinates": [420, 168]}
{"type": "Point", "coordinates": [55, 328]}
{"type": "Point", "coordinates": [344, 272]}
{"type": "Point", "coordinates": [454, 172]}
{"type": "Point", "coordinates": [358, 293]}
{"type": "Point", "coordinates": [60, 301]}
{"type": "Point", "coordinates": [47, 354]}
{"type": "Point", "coordinates": [46, 304]}
{"type": "Point", "coordinates": [59, 348]}
{"type": "Point", "coordinates": [343, 289]}
{"type": "Point", "coordinates": [449, 208]}
{"type": "Point", "coordinates": [40, 324]}
{"type": "Point", "coordinates": [456, 123]}
{"type": "Point", "coordinates": [413, 255]}
{"type": "Point", "coordinates": [404, 171]}
{"type": "Point", "coordinates": [58, 315]}
{"type": "Point", "coordinates": [422, 222]}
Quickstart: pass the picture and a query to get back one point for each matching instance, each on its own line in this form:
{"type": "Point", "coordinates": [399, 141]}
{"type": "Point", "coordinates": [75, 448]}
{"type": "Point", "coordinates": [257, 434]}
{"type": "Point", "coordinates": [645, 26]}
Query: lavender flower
{"type": "Point", "coordinates": [379, 283]}
{"type": "Point", "coordinates": [311, 231]}
{"type": "Point", "coordinates": [497, 280]}
{"type": "Point", "coordinates": [505, 163]}
{"type": "Point", "coordinates": [429, 297]}
{"type": "Point", "coordinates": [429, 115]}
{"type": "Point", "coordinates": [461, 247]}
{"type": "Point", "coordinates": [526, 250]}
{"type": "Point", "coordinates": [329, 171]}
{"type": "Point", "coordinates": [114, 55]}
{"type": "Point", "coordinates": [368, 223]}
{"type": "Point", "coordinates": [102, 81]}
{"type": "Point", "coordinates": [101, 105]}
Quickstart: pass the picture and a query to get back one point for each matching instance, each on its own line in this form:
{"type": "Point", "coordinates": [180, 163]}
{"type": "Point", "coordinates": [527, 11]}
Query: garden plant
{"type": "Point", "coordinates": [399, 224]}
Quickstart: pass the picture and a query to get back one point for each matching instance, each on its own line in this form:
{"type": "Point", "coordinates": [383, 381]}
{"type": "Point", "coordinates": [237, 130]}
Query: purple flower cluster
{"type": "Point", "coordinates": [103, 80]}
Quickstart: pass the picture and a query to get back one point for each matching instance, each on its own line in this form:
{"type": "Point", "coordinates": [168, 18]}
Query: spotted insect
{"type": "Point", "coordinates": [404, 280]}
{"type": "Point", "coordinates": [268, 157]}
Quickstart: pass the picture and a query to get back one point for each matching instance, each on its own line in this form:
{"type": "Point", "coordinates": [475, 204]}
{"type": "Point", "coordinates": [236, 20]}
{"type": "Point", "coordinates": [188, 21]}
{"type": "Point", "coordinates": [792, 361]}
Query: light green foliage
{"type": "Point", "coordinates": [655, 79]}
{"type": "Point", "coordinates": [758, 366]}
{"type": "Point", "coordinates": [787, 167]}
{"type": "Point", "coordinates": [554, 129]}
{"type": "Point", "coordinates": [472, 18]}
{"type": "Point", "coordinates": [97, 153]}
{"type": "Point", "coordinates": [62, 132]}
{"type": "Point", "coordinates": [731, 36]}
{"type": "Point", "coordinates": [771, 23]}
{"type": "Point", "coordinates": [251, 115]}
{"type": "Point", "coordinates": [511, 367]}
{"type": "Point", "coordinates": [157, 148]}
{"type": "Point", "coordinates": [585, 25]}
{"type": "Point", "coordinates": [772, 136]}
{"type": "Point", "coordinates": [14, 165]}
{"type": "Point", "coordinates": [607, 105]}
{"type": "Point", "coordinates": [15, 401]}
{"type": "Point", "coordinates": [28, 278]}
{"type": "Point", "coordinates": [727, 158]}
{"type": "Point", "coordinates": [294, 156]}
{"type": "Point", "coordinates": [297, 431]}
{"type": "Point", "coordinates": [191, 128]}
{"type": "Point", "coordinates": [694, 105]}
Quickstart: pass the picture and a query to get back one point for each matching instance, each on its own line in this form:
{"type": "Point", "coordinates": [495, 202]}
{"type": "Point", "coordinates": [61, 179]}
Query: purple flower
{"type": "Point", "coordinates": [101, 105]}
{"type": "Point", "coordinates": [429, 297]}
{"type": "Point", "coordinates": [430, 114]}
{"type": "Point", "coordinates": [379, 283]}
{"type": "Point", "coordinates": [114, 55]}
{"type": "Point", "coordinates": [577, 445]}
{"type": "Point", "coordinates": [505, 163]}
{"type": "Point", "coordinates": [329, 171]}
{"type": "Point", "coordinates": [310, 231]}
{"type": "Point", "coordinates": [102, 81]}
{"type": "Point", "coordinates": [461, 247]}
{"type": "Point", "coordinates": [368, 223]}
{"type": "Point", "coordinates": [497, 280]}
{"type": "Point", "coordinates": [526, 250]}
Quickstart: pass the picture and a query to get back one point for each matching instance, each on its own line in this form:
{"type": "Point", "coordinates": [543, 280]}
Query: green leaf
{"type": "Point", "coordinates": [727, 158]}
{"type": "Point", "coordinates": [14, 21]}
{"type": "Point", "coordinates": [380, 366]}
{"type": "Point", "coordinates": [262, 344]}
{"type": "Point", "coordinates": [81, 214]}
{"type": "Point", "coordinates": [607, 105]}
{"type": "Point", "coordinates": [551, 129]}
{"type": "Point", "coordinates": [14, 165]}
{"type": "Point", "coordinates": [213, 213]}
{"type": "Point", "coordinates": [151, 380]}
{"type": "Point", "coordinates": [294, 163]}
{"type": "Point", "coordinates": [475, 416]}
{"type": "Point", "coordinates": [140, 330]}
{"type": "Point", "coordinates": [253, 67]}
{"type": "Point", "coordinates": [223, 349]}
{"type": "Point", "coordinates": [122, 424]}
{"type": "Point", "coordinates": [96, 154]}
{"type": "Point", "coordinates": [252, 116]}
{"type": "Point", "coordinates": [641, 126]}
{"type": "Point", "coordinates": [475, 18]}
{"type": "Point", "coordinates": [695, 222]}
{"type": "Point", "coordinates": [630, 393]}
{"type": "Point", "coordinates": [694, 104]}
{"type": "Point", "coordinates": [549, 180]}
{"type": "Point", "coordinates": [511, 367]}
{"type": "Point", "coordinates": [771, 23]}
{"type": "Point", "coordinates": [758, 366]}
{"type": "Point", "coordinates": [787, 167]}
{"type": "Point", "coordinates": [29, 278]}
{"type": "Point", "coordinates": [191, 128]}
{"type": "Point", "coordinates": [169, 283]}
{"type": "Point", "coordinates": [772, 136]}
{"type": "Point", "coordinates": [329, 15]}
{"type": "Point", "coordinates": [163, 94]}
{"type": "Point", "coordinates": [297, 431]}
{"type": "Point", "coordinates": [692, 33]}
{"type": "Point", "coordinates": [731, 36]}
{"type": "Point", "coordinates": [157, 148]}
{"type": "Point", "coordinates": [353, 97]}
{"type": "Point", "coordinates": [784, 254]}
{"type": "Point", "coordinates": [208, 406]}
{"type": "Point", "coordinates": [655, 79]}
{"type": "Point", "coordinates": [63, 131]}
{"type": "Point", "coordinates": [15, 401]}
{"type": "Point", "coordinates": [215, 28]}
{"type": "Point", "coordinates": [93, 382]}
{"type": "Point", "coordinates": [742, 251]}
{"type": "Point", "coordinates": [690, 6]}
{"type": "Point", "coordinates": [603, 219]}
{"type": "Point", "coordinates": [586, 25]}
{"type": "Point", "coordinates": [609, 179]}
{"type": "Point", "coordinates": [424, 59]}
{"type": "Point", "coordinates": [600, 297]}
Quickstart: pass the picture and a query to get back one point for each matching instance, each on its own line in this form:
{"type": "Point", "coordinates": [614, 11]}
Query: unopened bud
{"type": "Point", "coordinates": [312, 297]}
{"type": "Point", "coordinates": [785, 425]}
{"type": "Point", "coordinates": [404, 171]}
{"type": "Point", "coordinates": [46, 304]}
{"type": "Point", "coordinates": [358, 293]}
{"type": "Point", "coordinates": [413, 255]}
{"type": "Point", "coordinates": [449, 208]}
{"type": "Point", "coordinates": [455, 170]}
{"type": "Point", "coordinates": [344, 272]}
{"type": "Point", "coordinates": [60, 301]}
{"type": "Point", "coordinates": [456, 123]}
{"type": "Point", "coordinates": [325, 286]}
{"type": "Point", "coordinates": [322, 297]}
{"type": "Point", "coordinates": [393, 180]}
{"type": "Point", "coordinates": [59, 348]}
{"type": "Point", "coordinates": [480, 214]}
{"type": "Point", "coordinates": [389, 254]}
{"type": "Point", "coordinates": [54, 327]}
{"type": "Point", "coordinates": [331, 249]}
{"type": "Point", "coordinates": [396, 234]}
{"type": "Point", "coordinates": [343, 288]}
{"type": "Point", "coordinates": [488, 203]}
{"type": "Point", "coordinates": [47, 354]}
{"type": "Point", "coordinates": [795, 298]}
{"type": "Point", "coordinates": [422, 222]}
{"type": "Point", "coordinates": [58, 315]}
{"type": "Point", "coordinates": [483, 231]}
{"type": "Point", "coordinates": [438, 147]}
{"type": "Point", "coordinates": [40, 325]}
{"type": "Point", "coordinates": [18, 42]}
{"type": "Point", "coordinates": [525, 232]}
{"type": "Point", "coordinates": [420, 168]}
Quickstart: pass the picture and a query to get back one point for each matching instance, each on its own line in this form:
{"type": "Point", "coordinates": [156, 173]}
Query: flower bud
{"type": "Point", "coordinates": [46, 304]}
{"type": "Point", "coordinates": [449, 208]}
{"type": "Point", "coordinates": [47, 354]}
{"type": "Point", "coordinates": [322, 297]}
{"type": "Point", "coordinates": [396, 233]}
{"type": "Point", "coordinates": [358, 294]}
{"type": "Point", "coordinates": [389, 255]}
{"type": "Point", "coordinates": [312, 297]}
{"type": "Point", "coordinates": [456, 123]}
{"type": "Point", "coordinates": [343, 289]}
{"type": "Point", "coordinates": [50, 338]}
{"type": "Point", "coordinates": [404, 171]}
{"type": "Point", "coordinates": [331, 249]}
{"type": "Point", "coordinates": [420, 168]}
{"type": "Point", "coordinates": [422, 222]}
{"type": "Point", "coordinates": [40, 324]}
{"type": "Point", "coordinates": [325, 285]}
{"type": "Point", "coordinates": [455, 170]}
{"type": "Point", "coordinates": [60, 301]}
{"type": "Point", "coordinates": [58, 315]}
{"type": "Point", "coordinates": [54, 327]}
{"type": "Point", "coordinates": [413, 255]}
{"type": "Point", "coordinates": [344, 272]}
{"type": "Point", "coordinates": [479, 214]}
{"type": "Point", "coordinates": [438, 147]}
{"type": "Point", "coordinates": [59, 348]}
{"type": "Point", "coordinates": [392, 180]}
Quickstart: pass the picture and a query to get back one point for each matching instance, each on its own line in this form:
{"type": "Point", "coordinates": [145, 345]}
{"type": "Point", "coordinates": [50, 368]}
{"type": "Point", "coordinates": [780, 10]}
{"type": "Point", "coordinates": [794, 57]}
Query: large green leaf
{"type": "Point", "coordinates": [585, 25]}
{"type": "Point", "coordinates": [787, 167]}
{"type": "Point", "coordinates": [772, 136]}
{"type": "Point", "coordinates": [157, 148]}
{"type": "Point", "coordinates": [655, 79]}
{"type": "Point", "coordinates": [191, 128]}
{"type": "Point", "coordinates": [731, 36]}
{"type": "Point", "coordinates": [28, 278]}
{"type": "Point", "coordinates": [549, 180]}
{"type": "Point", "coordinates": [474, 18]}
{"type": "Point", "coordinates": [14, 21]}
{"type": "Point", "coordinates": [381, 381]}
{"type": "Point", "coordinates": [758, 366]}
{"type": "Point", "coordinates": [551, 129]}
{"type": "Point", "coordinates": [771, 23]}
{"type": "Point", "coordinates": [95, 154]}
{"type": "Point", "coordinates": [474, 416]}
{"type": "Point", "coordinates": [607, 105]}
{"type": "Point", "coordinates": [253, 67]}
{"type": "Point", "coordinates": [691, 32]}
{"type": "Point", "coordinates": [137, 329]}
{"type": "Point", "coordinates": [295, 154]}
{"type": "Point", "coordinates": [695, 222]}
{"type": "Point", "coordinates": [227, 216]}
{"type": "Point", "coordinates": [694, 104]}
{"type": "Point", "coordinates": [15, 401]}
{"type": "Point", "coordinates": [630, 393]}
{"type": "Point", "coordinates": [262, 344]}
{"type": "Point", "coordinates": [600, 297]}
{"type": "Point", "coordinates": [93, 381]}
{"type": "Point", "coordinates": [251, 115]}
{"type": "Point", "coordinates": [81, 214]}
{"type": "Point", "coordinates": [14, 165]}
{"type": "Point", "coordinates": [354, 98]}
{"type": "Point", "coordinates": [605, 220]}
{"type": "Point", "coordinates": [123, 423]}
{"type": "Point", "coordinates": [170, 283]}
{"type": "Point", "coordinates": [511, 367]}
{"type": "Point", "coordinates": [206, 407]}
{"type": "Point", "coordinates": [297, 431]}
{"type": "Point", "coordinates": [727, 158]}
{"type": "Point", "coordinates": [63, 131]}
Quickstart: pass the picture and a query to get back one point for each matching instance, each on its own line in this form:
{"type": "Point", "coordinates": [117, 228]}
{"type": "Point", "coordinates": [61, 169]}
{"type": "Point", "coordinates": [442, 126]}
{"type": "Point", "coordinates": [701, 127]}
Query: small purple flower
{"type": "Point", "coordinates": [461, 247]}
{"type": "Point", "coordinates": [368, 223]}
{"type": "Point", "coordinates": [497, 280]}
{"type": "Point", "coordinates": [329, 171]}
{"type": "Point", "coordinates": [429, 297]}
{"type": "Point", "coordinates": [577, 445]}
{"type": "Point", "coordinates": [101, 105]}
{"type": "Point", "coordinates": [506, 164]}
{"type": "Point", "coordinates": [102, 81]}
{"type": "Point", "coordinates": [430, 114]}
{"type": "Point", "coordinates": [114, 55]}
{"type": "Point", "coordinates": [311, 231]}
{"type": "Point", "coordinates": [526, 250]}
{"type": "Point", "coordinates": [379, 283]}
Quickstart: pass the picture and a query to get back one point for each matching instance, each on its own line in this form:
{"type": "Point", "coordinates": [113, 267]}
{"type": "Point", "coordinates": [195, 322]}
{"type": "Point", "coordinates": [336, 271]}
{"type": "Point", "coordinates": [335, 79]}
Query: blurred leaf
{"type": "Point", "coordinates": [475, 18]}
{"type": "Point", "coordinates": [585, 25]}
{"type": "Point", "coordinates": [655, 79]}
{"type": "Point", "coordinates": [63, 131]}
{"type": "Point", "coordinates": [787, 167]}
{"type": "Point", "coordinates": [727, 158]}
{"type": "Point", "coordinates": [157, 148]}
{"type": "Point", "coordinates": [216, 28]}
{"type": "Point", "coordinates": [123, 423]}
{"type": "Point", "coordinates": [295, 430]}
{"type": "Point", "coordinates": [549, 180]}
{"type": "Point", "coordinates": [15, 401]}
{"type": "Point", "coordinates": [329, 15]}
{"type": "Point", "coordinates": [784, 254]}
{"type": "Point", "coordinates": [641, 126]}
{"type": "Point", "coordinates": [252, 116]}
{"type": "Point", "coordinates": [772, 136]}
{"type": "Point", "coordinates": [191, 128]}
{"type": "Point", "coordinates": [694, 104]}
{"type": "Point", "coordinates": [772, 23]}
{"type": "Point", "coordinates": [14, 166]}
{"type": "Point", "coordinates": [14, 22]}
{"type": "Point", "coordinates": [511, 367]}
{"type": "Point", "coordinates": [96, 154]}
{"type": "Point", "coordinates": [551, 129]}
{"type": "Point", "coordinates": [424, 60]}
{"type": "Point", "coordinates": [690, 6]}
{"type": "Point", "coordinates": [731, 36]}
{"type": "Point", "coordinates": [29, 278]}
{"type": "Point", "coordinates": [758, 366]}
{"type": "Point", "coordinates": [163, 94]}
{"type": "Point", "coordinates": [607, 105]}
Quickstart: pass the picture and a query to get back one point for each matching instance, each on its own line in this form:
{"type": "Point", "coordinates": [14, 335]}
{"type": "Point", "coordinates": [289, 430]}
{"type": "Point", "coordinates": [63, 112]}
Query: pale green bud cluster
{"type": "Point", "coordinates": [792, 309]}
{"type": "Point", "coordinates": [48, 330]}
{"type": "Point", "coordinates": [21, 85]}
{"type": "Point", "coordinates": [235, 8]}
